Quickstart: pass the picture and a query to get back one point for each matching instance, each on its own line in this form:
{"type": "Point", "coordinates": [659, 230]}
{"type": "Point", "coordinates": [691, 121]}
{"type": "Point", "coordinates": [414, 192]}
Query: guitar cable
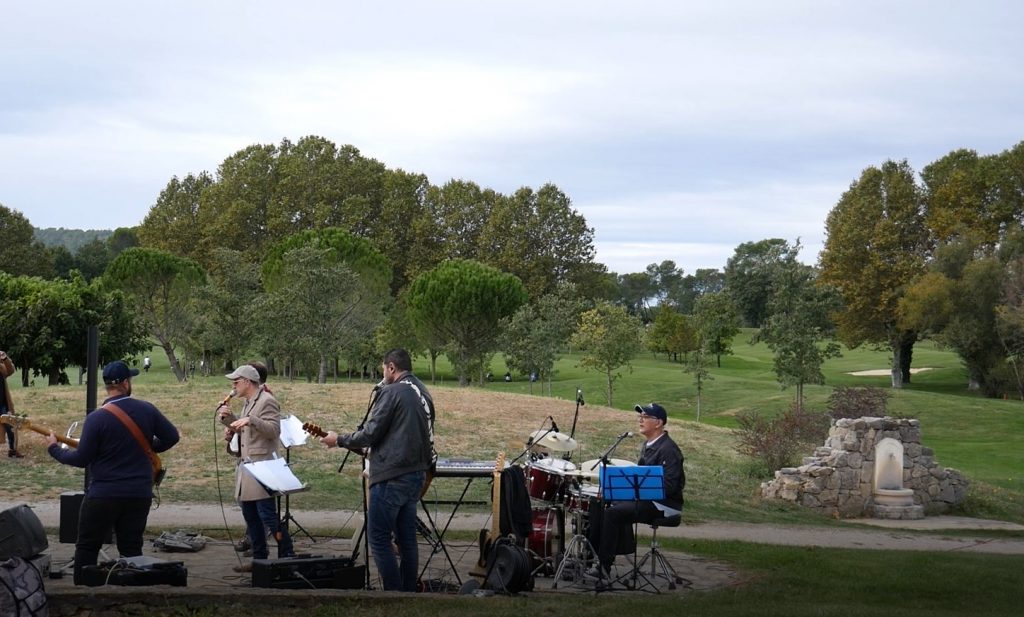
{"type": "Point", "coordinates": [217, 473]}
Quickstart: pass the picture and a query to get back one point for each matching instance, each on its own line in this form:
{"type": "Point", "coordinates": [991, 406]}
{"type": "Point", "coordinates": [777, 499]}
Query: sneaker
{"type": "Point", "coordinates": [245, 567]}
{"type": "Point", "coordinates": [243, 545]}
{"type": "Point", "coordinates": [15, 454]}
{"type": "Point", "coordinates": [597, 572]}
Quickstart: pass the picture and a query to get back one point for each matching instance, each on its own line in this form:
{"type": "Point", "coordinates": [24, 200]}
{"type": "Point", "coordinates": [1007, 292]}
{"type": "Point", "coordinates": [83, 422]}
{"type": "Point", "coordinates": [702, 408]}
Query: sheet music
{"type": "Point", "coordinates": [275, 476]}
{"type": "Point", "coordinates": [291, 432]}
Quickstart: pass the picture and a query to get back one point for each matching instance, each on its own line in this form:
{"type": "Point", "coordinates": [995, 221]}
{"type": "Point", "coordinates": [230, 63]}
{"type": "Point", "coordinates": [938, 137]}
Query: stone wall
{"type": "Point", "coordinates": [839, 479]}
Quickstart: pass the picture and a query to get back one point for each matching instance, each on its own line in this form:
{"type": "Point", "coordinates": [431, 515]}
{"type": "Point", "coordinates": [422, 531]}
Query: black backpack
{"type": "Point", "coordinates": [21, 589]}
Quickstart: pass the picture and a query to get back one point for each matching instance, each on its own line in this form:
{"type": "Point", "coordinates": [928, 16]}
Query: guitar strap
{"type": "Point", "coordinates": [136, 432]}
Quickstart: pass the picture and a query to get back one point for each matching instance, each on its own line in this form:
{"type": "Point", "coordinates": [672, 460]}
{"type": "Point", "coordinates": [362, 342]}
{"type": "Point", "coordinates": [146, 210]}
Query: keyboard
{"type": "Point", "coordinates": [463, 468]}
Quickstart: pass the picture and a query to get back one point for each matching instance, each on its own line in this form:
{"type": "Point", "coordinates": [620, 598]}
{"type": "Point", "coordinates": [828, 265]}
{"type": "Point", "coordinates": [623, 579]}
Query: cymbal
{"type": "Point", "coordinates": [592, 468]}
{"type": "Point", "coordinates": [554, 441]}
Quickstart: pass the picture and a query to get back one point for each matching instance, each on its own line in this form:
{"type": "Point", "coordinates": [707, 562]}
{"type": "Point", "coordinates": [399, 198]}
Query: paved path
{"type": "Point", "coordinates": [864, 533]}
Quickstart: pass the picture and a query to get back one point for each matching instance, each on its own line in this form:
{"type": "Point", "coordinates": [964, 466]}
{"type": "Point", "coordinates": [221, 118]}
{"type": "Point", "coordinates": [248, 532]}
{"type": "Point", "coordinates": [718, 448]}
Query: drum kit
{"type": "Point", "coordinates": [559, 490]}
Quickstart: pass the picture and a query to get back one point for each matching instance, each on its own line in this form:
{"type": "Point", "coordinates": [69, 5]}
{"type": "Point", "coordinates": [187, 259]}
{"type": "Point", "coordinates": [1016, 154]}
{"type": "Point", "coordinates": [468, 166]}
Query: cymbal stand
{"type": "Point", "coordinates": [576, 554]}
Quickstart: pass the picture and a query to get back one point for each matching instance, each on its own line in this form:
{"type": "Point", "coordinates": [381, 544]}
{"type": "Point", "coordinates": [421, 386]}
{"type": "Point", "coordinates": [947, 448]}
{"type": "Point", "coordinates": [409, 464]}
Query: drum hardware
{"type": "Point", "coordinates": [546, 541]}
{"type": "Point", "coordinates": [578, 552]}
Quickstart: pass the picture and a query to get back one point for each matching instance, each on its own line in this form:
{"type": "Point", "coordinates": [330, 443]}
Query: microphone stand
{"type": "Point", "coordinates": [363, 537]}
{"type": "Point", "coordinates": [579, 401]}
{"type": "Point", "coordinates": [530, 443]}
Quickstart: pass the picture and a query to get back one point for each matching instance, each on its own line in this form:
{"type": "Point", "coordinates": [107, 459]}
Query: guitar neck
{"type": "Point", "coordinates": [45, 431]}
{"type": "Point", "coordinates": [499, 465]}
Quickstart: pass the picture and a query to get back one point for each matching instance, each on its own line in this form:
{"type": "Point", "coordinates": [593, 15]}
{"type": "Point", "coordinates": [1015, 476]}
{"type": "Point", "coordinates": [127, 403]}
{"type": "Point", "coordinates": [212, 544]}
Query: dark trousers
{"type": "Point", "coordinates": [261, 516]}
{"type": "Point", "coordinates": [126, 516]}
{"type": "Point", "coordinates": [611, 529]}
{"type": "Point", "coordinates": [10, 433]}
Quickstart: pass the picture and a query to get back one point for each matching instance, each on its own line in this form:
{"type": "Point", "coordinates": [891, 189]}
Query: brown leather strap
{"type": "Point", "coordinates": [136, 432]}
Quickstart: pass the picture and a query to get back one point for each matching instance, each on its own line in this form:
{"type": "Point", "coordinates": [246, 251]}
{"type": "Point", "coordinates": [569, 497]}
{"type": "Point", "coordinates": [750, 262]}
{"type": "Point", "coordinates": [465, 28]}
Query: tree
{"type": "Point", "coordinates": [671, 333]}
{"type": "Point", "coordinates": [317, 308]}
{"type": "Point", "coordinates": [609, 338]}
{"type": "Point", "coordinates": [749, 277]}
{"type": "Point", "coordinates": [176, 222]}
{"type": "Point", "coordinates": [539, 237]}
{"type": "Point", "coordinates": [22, 253]}
{"type": "Point", "coordinates": [797, 327]}
{"type": "Point", "coordinates": [697, 365]}
{"type": "Point", "coordinates": [717, 323]}
{"type": "Point", "coordinates": [875, 248]}
{"type": "Point", "coordinates": [533, 336]}
{"type": "Point", "coordinates": [47, 323]}
{"type": "Point", "coordinates": [160, 285]}
{"type": "Point", "coordinates": [461, 303]}
{"type": "Point", "coordinates": [693, 286]}
{"type": "Point", "coordinates": [227, 307]}
{"type": "Point", "coordinates": [635, 292]}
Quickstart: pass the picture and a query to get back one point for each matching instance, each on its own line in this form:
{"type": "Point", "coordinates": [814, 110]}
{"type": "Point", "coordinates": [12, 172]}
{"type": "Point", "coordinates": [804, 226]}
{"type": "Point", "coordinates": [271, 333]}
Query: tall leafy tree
{"type": "Point", "coordinates": [535, 334]}
{"type": "Point", "coordinates": [609, 338]}
{"type": "Point", "coordinates": [876, 246]}
{"type": "Point", "coordinates": [798, 328]}
{"type": "Point", "coordinates": [718, 323]}
{"type": "Point", "coordinates": [317, 308]}
{"type": "Point", "coordinates": [176, 222]}
{"type": "Point", "coordinates": [20, 252]}
{"type": "Point", "coordinates": [161, 286]}
{"type": "Point", "coordinates": [672, 333]}
{"type": "Point", "coordinates": [461, 302]}
{"type": "Point", "coordinates": [227, 307]}
{"type": "Point", "coordinates": [539, 237]}
{"type": "Point", "coordinates": [749, 277]}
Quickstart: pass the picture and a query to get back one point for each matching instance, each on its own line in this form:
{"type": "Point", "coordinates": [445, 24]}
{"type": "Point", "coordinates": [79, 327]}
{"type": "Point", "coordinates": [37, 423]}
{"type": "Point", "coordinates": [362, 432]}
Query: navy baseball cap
{"type": "Point", "coordinates": [654, 410]}
{"type": "Point", "coordinates": [117, 371]}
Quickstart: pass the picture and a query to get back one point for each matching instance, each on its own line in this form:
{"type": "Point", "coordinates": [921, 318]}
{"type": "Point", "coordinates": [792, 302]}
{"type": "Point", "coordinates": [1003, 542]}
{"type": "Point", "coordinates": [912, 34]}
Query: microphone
{"type": "Point", "coordinates": [227, 398]}
{"type": "Point", "coordinates": [579, 396]}
{"type": "Point", "coordinates": [554, 426]}
{"type": "Point", "coordinates": [627, 434]}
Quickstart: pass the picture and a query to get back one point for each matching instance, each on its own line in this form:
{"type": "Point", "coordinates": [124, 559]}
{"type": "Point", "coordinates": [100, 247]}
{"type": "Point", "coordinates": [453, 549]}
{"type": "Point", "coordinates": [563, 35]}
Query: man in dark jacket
{"type": "Point", "coordinates": [399, 434]}
{"type": "Point", "coordinates": [120, 490]}
{"type": "Point", "coordinates": [616, 520]}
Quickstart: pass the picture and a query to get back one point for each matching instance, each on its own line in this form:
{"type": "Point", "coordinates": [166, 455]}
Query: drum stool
{"type": "Point", "coordinates": [660, 567]}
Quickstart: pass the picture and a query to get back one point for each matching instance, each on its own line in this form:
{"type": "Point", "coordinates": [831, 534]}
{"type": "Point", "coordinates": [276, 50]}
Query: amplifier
{"type": "Point", "coordinates": [135, 572]}
{"type": "Point", "coordinates": [308, 572]}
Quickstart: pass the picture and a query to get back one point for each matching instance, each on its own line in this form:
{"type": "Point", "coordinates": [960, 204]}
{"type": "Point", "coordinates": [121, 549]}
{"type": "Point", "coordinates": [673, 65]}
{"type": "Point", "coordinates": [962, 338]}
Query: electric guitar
{"type": "Point", "coordinates": [316, 431]}
{"type": "Point", "coordinates": [20, 422]}
{"type": "Point", "coordinates": [488, 537]}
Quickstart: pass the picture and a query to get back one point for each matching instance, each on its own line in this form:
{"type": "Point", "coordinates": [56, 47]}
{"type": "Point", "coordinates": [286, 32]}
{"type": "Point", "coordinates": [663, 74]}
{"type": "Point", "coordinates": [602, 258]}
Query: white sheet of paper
{"type": "Point", "coordinates": [275, 475]}
{"type": "Point", "coordinates": [291, 432]}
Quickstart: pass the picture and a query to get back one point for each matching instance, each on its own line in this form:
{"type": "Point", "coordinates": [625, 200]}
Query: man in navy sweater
{"type": "Point", "coordinates": [609, 525]}
{"type": "Point", "coordinates": [120, 473]}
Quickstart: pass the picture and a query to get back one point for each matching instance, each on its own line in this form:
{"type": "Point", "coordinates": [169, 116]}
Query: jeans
{"type": "Point", "coordinates": [392, 513]}
{"type": "Point", "coordinates": [127, 516]}
{"type": "Point", "coordinates": [261, 516]}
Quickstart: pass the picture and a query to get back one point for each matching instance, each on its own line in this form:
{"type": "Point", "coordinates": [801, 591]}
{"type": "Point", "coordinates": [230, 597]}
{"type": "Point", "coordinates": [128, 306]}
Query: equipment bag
{"type": "Point", "coordinates": [21, 589]}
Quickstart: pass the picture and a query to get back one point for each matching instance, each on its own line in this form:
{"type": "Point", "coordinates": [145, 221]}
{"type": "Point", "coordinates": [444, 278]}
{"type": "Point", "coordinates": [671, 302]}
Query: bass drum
{"type": "Point", "coordinates": [546, 540]}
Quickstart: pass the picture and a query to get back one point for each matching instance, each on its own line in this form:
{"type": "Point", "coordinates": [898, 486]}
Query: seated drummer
{"type": "Point", "coordinates": [617, 520]}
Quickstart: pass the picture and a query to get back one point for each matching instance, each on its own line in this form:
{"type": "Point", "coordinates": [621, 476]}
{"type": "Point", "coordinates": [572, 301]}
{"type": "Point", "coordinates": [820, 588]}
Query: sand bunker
{"type": "Point", "coordinates": [878, 372]}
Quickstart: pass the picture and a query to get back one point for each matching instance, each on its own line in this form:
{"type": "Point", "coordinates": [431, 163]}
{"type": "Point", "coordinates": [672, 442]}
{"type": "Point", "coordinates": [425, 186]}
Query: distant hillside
{"type": "Point", "coordinates": [71, 239]}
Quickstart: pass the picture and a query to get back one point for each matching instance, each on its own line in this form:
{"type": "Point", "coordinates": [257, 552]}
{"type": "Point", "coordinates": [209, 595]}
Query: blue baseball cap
{"type": "Point", "coordinates": [654, 410]}
{"type": "Point", "coordinates": [117, 371]}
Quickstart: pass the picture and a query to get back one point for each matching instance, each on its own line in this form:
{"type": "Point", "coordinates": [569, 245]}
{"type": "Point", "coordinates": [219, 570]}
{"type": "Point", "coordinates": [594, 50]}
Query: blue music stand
{"type": "Point", "coordinates": [634, 483]}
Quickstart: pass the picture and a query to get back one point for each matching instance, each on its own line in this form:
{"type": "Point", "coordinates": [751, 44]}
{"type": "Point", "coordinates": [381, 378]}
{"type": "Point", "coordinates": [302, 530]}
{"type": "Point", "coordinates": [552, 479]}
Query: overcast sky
{"type": "Point", "coordinates": [679, 129]}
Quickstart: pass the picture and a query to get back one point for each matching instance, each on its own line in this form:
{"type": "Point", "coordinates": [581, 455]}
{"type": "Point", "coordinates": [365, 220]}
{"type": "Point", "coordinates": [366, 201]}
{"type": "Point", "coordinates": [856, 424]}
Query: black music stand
{"type": "Point", "coordinates": [291, 435]}
{"type": "Point", "coordinates": [637, 483]}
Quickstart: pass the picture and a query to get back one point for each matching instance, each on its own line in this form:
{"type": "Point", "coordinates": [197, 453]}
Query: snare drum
{"type": "Point", "coordinates": [546, 478]}
{"type": "Point", "coordinates": [547, 537]}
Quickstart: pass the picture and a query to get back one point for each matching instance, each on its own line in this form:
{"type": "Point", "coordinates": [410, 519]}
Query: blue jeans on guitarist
{"type": "Point", "coordinates": [392, 514]}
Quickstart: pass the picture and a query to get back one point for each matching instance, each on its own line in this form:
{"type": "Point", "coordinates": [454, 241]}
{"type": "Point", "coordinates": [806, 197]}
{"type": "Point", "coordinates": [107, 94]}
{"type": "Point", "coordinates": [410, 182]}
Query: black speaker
{"type": "Point", "coordinates": [21, 533]}
{"type": "Point", "coordinates": [308, 572]}
{"type": "Point", "coordinates": [70, 507]}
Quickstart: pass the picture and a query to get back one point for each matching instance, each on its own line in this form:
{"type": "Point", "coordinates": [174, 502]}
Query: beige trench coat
{"type": "Point", "coordinates": [260, 440]}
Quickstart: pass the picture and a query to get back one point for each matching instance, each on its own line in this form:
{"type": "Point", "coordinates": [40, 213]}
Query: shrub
{"type": "Point", "coordinates": [858, 402]}
{"type": "Point", "coordinates": [775, 442]}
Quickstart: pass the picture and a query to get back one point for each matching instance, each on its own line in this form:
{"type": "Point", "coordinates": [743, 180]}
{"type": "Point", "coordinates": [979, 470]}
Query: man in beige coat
{"type": "Point", "coordinates": [6, 405]}
{"type": "Point", "coordinates": [259, 429]}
